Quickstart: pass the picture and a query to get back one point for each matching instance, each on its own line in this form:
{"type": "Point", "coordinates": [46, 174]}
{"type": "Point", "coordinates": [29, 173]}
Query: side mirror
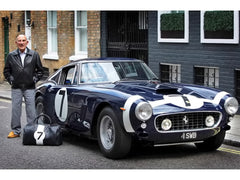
{"type": "Point", "coordinates": [67, 82]}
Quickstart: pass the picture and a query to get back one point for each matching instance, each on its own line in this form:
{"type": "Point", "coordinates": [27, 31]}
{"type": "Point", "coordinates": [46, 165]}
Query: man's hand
{"type": "Point", "coordinates": [35, 79]}
{"type": "Point", "coordinates": [10, 80]}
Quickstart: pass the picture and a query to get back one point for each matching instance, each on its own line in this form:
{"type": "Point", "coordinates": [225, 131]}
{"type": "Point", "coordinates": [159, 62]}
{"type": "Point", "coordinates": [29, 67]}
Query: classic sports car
{"type": "Point", "coordinates": [119, 100]}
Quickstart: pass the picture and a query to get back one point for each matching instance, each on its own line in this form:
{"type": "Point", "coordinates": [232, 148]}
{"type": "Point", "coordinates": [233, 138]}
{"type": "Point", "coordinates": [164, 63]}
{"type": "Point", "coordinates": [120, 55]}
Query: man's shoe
{"type": "Point", "coordinates": [12, 135]}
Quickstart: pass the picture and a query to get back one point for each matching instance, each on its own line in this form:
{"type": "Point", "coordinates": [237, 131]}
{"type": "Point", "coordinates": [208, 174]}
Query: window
{"type": "Point", "coordinates": [220, 27]}
{"type": "Point", "coordinates": [55, 77]}
{"type": "Point", "coordinates": [170, 73]}
{"type": "Point", "coordinates": [173, 26]}
{"type": "Point", "coordinates": [52, 35]}
{"type": "Point", "coordinates": [92, 72]}
{"type": "Point", "coordinates": [67, 76]}
{"type": "Point", "coordinates": [98, 72]}
{"type": "Point", "coordinates": [207, 76]}
{"type": "Point", "coordinates": [81, 37]}
{"type": "Point", "coordinates": [237, 84]}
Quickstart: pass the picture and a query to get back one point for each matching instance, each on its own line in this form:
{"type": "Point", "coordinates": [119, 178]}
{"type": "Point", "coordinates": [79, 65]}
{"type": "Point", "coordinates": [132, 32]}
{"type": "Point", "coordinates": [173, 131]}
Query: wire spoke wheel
{"type": "Point", "coordinates": [113, 141]}
{"type": "Point", "coordinates": [107, 132]}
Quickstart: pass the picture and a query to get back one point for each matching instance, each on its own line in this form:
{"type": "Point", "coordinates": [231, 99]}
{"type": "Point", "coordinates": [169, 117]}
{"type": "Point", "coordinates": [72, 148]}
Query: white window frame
{"type": "Point", "coordinates": [235, 39]}
{"type": "Point", "coordinates": [174, 40]}
{"type": "Point", "coordinates": [78, 54]}
{"type": "Point", "coordinates": [51, 54]}
{"type": "Point", "coordinates": [28, 30]}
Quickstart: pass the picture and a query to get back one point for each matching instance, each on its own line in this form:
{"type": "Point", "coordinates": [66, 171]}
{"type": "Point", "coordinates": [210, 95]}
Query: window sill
{"type": "Point", "coordinates": [172, 40]}
{"type": "Point", "coordinates": [220, 41]}
{"type": "Point", "coordinates": [77, 57]}
{"type": "Point", "coordinates": [51, 56]}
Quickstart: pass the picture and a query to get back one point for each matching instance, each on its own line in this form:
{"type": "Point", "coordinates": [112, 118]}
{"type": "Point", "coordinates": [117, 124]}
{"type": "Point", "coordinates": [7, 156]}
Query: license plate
{"type": "Point", "coordinates": [189, 135]}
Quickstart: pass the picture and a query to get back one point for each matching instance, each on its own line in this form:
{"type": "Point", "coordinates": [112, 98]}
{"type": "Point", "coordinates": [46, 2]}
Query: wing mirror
{"type": "Point", "coordinates": [67, 82]}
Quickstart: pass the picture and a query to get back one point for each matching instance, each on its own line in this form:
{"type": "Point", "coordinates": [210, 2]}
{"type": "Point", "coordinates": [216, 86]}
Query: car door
{"type": "Point", "coordinates": [70, 99]}
{"type": "Point", "coordinates": [59, 94]}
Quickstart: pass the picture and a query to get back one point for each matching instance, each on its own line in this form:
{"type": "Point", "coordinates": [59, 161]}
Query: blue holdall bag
{"type": "Point", "coordinates": [36, 133]}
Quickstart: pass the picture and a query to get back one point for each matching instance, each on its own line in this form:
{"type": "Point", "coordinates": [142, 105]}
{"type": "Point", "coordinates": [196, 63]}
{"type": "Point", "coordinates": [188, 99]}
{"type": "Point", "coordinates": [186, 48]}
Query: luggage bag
{"type": "Point", "coordinates": [36, 133]}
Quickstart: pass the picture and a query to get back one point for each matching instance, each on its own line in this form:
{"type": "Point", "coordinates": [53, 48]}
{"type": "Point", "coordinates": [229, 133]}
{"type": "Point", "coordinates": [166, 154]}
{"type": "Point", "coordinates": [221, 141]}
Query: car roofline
{"type": "Point", "coordinates": [105, 59]}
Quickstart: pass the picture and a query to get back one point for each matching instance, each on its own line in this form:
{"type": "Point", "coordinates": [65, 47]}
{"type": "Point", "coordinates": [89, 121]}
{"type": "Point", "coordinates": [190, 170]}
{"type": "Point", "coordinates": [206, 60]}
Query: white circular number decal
{"type": "Point", "coordinates": [39, 135]}
{"type": "Point", "coordinates": [61, 104]}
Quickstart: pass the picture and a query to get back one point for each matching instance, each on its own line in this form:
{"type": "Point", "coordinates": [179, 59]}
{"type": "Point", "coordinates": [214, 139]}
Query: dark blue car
{"type": "Point", "coordinates": [120, 100]}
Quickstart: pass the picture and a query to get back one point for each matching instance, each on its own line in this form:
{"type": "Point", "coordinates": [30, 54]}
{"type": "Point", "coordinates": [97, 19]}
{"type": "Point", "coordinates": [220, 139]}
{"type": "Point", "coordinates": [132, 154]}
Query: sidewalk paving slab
{"type": "Point", "coordinates": [5, 90]}
{"type": "Point", "coordinates": [233, 135]}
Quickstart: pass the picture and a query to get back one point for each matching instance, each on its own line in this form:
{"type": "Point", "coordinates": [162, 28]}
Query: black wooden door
{"type": "Point", "coordinates": [6, 36]}
{"type": "Point", "coordinates": [127, 34]}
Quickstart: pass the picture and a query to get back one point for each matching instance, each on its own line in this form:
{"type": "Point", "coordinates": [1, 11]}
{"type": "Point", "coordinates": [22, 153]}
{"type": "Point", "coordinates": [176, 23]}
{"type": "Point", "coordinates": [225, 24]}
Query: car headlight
{"type": "Point", "coordinates": [231, 105]}
{"type": "Point", "coordinates": [209, 121]}
{"type": "Point", "coordinates": [166, 124]}
{"type": "Point", "coordinates": [143, 111]}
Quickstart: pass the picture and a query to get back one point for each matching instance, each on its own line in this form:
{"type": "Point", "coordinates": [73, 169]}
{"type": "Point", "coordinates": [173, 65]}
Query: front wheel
{"type": "Point", "coordinates": [212, 143]}
{"type": "Point", "coordinates": [113, 141]}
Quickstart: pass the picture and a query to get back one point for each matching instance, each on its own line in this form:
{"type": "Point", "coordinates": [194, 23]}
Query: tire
{"type": "Point", "coordinates": [113, 141]}
{"type": "Point", "coordinates": [212, 143]}
{"type": "Point", "coordinates": [39, 105]}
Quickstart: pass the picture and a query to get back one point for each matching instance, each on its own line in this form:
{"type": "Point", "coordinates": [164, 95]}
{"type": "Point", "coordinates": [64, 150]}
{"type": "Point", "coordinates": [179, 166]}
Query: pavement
{"type": "Point", "coordinates": [232, 136]}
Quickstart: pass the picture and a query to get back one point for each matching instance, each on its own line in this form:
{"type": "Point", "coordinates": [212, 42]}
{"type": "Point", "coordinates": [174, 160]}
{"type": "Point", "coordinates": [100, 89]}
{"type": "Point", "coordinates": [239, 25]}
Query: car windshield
{"type": "Point", "coordinates": [115, 71]}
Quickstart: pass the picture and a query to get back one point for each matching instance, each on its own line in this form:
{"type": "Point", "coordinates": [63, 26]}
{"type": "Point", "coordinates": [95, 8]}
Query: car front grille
{"type": "Point", "coordinates": [187, 121]}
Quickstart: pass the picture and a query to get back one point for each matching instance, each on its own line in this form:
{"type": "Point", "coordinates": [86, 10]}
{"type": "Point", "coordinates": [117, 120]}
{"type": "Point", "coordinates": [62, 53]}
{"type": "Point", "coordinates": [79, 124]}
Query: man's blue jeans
{"type": "Point", "coordinates": [29, 98]}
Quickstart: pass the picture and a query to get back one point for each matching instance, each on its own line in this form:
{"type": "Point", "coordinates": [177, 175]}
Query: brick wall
{"type": "Point", "coordinates": [65, 34]}
{"type": "Point", "coordinates": [39, 33]}
{"type": "Point", "coordinates": [66, 39]}
{"type": "Point", "coordinates": [94, 34]}
{"type": "Point", "coordinates": [16, 26]}
{"type": "Point", "coordinates": [65, 28]}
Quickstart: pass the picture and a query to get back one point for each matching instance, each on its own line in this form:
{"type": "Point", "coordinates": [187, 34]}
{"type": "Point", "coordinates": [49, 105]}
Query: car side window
{"type": "Point", "coordinates": [93, 72]}
{"type": "Point", "coordinates": [55, 77]}
{"type": "Point", "coordinates": [67, 76]}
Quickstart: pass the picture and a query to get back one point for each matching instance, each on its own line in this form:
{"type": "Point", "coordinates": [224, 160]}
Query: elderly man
{"type": "Point", "coordinates": [22, 70]}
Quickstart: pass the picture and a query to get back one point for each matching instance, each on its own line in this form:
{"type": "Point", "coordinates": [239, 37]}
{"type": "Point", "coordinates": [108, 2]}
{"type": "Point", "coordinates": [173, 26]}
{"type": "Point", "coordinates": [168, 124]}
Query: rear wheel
{"type": "Point", "coordinates": [113, 141]}
{"type": "Point", "coordinates": [212, 143]}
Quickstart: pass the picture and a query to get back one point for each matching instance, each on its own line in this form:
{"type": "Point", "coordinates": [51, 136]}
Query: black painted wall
{"type": "Point", "coordinates": [224, 56]}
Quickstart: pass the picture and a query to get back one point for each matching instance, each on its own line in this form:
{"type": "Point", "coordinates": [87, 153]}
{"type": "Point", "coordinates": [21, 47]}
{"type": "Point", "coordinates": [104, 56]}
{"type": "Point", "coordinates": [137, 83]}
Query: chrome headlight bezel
{"type": "Point", "coordinates": [143, 111]}
{"type": "Point", "coordinates": [231, 105]}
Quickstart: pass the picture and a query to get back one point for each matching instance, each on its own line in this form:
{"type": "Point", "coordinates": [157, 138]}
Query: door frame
{"type": "Point", "coordinates": [6, 36]}
{"type": "Point", "coordinates": [127, 34]}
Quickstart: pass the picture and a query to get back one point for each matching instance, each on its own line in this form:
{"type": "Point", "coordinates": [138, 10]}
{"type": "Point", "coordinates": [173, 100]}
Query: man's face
{"type": "Point", "coordinates": [22, 42]}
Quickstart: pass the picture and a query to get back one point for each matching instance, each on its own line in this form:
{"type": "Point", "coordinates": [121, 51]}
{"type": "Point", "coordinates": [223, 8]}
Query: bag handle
{"type": "Point", "coordinates": [44, 116]}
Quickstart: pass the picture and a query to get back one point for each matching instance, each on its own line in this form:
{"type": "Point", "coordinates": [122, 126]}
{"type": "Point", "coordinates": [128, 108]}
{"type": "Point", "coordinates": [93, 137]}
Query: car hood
{"type": "Point", "coordinates": [153, 90]}
{"type": "Point", "coordinates": [170, 97]}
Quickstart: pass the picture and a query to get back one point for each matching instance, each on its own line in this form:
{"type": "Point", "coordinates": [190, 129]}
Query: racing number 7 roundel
{"type": "Point", "coordinates": [61, 104]}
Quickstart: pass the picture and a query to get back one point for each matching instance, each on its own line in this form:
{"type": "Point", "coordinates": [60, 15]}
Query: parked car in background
{"type": "Point", "coordinates": [120, 100]}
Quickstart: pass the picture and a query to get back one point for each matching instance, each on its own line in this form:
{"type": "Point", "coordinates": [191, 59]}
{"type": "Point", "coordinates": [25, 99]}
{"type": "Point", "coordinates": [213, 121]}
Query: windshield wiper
{"type": "Point", "coordinates": [124, 79]}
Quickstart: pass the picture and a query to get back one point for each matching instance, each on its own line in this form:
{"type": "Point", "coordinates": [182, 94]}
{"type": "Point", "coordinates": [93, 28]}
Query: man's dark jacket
{"type": "Point", "coordinates": [23, 77]}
